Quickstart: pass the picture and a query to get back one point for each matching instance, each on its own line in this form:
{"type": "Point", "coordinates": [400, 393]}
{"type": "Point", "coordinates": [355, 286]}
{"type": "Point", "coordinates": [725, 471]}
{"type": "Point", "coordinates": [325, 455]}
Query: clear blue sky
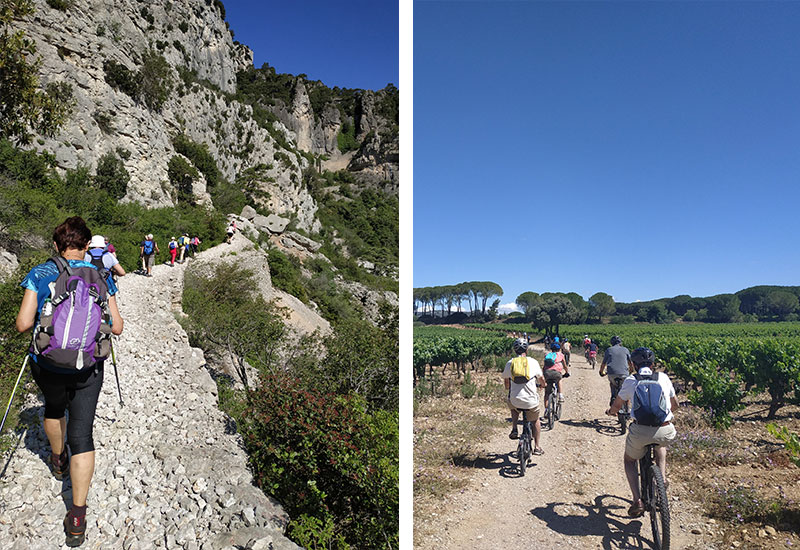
{"type": "Point", "coordinates": [349, 43]}
{"type": "Point", "coordinates": [643, 149]}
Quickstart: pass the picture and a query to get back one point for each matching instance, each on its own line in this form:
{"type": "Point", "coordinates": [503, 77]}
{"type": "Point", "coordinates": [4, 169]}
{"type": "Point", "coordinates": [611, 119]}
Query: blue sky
{"type": "Point", "coordinates": [643, 149]}
{"type": "Point", "coordinates": [350, 44]}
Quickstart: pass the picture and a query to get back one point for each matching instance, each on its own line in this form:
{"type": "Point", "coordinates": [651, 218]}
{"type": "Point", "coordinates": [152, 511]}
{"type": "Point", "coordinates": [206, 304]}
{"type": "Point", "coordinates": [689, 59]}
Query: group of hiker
{"type": "Point", "coordinates": [70, 306]}
{"type": "Point", "coordinates": [180, 249]}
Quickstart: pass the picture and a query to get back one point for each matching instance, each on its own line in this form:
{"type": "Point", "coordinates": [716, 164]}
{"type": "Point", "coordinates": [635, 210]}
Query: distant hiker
{"type": "Point", "coordinates": [149, 249]}
{"type": "Point", "coordinates": [70, 378]}
{"type": "Point", "coordinates": [110, 247]}
{"type": "Point", "coordinates": [230, 231]}
{"type": "Point", "coordinates": [173, 251]}
{"type": "Point", "coordinates": [102, 258]}
{"type": "Point", "coordinates": [195, 244]}
{"type": "Point", "coordinates": [183, 244]}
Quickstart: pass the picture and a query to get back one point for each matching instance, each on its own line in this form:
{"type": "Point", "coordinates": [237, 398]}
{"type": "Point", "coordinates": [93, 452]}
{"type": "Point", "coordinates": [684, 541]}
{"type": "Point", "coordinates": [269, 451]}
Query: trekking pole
{"type": "Point", "coordinates": [8, 408]}
{"type": "Point", "coordinates": [116, 374]}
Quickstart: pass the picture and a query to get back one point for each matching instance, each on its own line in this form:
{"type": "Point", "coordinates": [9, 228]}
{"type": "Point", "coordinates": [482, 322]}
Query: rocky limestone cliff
{"type": "Point", "coordinates": [190, 35]}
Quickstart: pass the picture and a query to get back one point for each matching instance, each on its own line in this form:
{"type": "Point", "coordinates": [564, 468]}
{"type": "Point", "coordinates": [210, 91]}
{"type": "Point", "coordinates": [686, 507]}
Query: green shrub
{"type": "Point", "coordinates": [285, 274]}
{"type": "Point", "coordinates": [468, 387]}
{"type": "Point", "coordinates": [112, 176]}
{"type": "Point", "coordinates": [120, 78]}
{"type": "Point", "coordinates": [200, 157]}
{"type": "Point", "coordinates": [62, 5]}
{"type": "Point", "coordinates": [325, 456]}
{"type": "Point", "coordinates": [346, 140]}
{"type": "Point", "coordinates": [183, 26]}
{"type": "Point", "coordinates": [155, 80]}
{"type": "Point", "coordinates": [182, 175]}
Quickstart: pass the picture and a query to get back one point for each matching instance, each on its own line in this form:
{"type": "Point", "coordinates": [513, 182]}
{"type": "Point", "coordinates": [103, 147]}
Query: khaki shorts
{"type": "Point", "coordinates": [149, 259]}
{"type": "Point", "coordinates": [530, 414]}
{"type": "Point", "coordinates": [640, 436]}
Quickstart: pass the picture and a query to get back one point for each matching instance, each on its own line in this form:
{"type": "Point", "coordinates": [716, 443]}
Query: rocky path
{"type": "Point", "coordinates": [170, 470]}
{"type": "Point", "coordinates": [574, 496]}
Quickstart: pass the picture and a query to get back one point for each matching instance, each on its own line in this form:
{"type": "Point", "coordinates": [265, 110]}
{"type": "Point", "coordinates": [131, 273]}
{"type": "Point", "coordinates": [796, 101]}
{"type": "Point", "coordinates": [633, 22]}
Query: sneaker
{"type": "Point", "coordinates": [636, 510]}
{"type": "Point", "coordinates": [560, 398]}
{"type": "Point", "coordinates": [60, 465]}
{"type": "Point", "coordinates": [76, 534]}
{"type": "Point", "coordinates": [514, 434]}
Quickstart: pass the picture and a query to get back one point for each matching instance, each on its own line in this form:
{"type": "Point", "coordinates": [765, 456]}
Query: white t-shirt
{"type": "Point", "coordinates": [524, 396]}
{"type": "Point", "coordinates": [109, 260]}
{"type": "Point", "coordinates": [629, 387]}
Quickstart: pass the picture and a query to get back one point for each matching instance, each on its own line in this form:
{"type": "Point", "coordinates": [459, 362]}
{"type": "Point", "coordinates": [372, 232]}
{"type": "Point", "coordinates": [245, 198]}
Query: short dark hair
{"type": "Point", "coordinates": [73, 233]}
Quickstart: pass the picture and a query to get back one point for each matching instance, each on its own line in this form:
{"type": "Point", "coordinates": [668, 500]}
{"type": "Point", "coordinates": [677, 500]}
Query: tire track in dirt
{"type": "Point", "coordinates": [574, 496]}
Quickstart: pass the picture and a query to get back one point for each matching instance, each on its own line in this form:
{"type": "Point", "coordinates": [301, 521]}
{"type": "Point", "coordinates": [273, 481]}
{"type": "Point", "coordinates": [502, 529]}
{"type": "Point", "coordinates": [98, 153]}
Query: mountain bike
{"type": "Point", "coordinates": [552, 405]}
{"type": "Point", "coordinates": [524, 447]}
{"type": "Point", "coordinates": [654, 496]}
{"type": "Point", "coordinates": [624, 414]}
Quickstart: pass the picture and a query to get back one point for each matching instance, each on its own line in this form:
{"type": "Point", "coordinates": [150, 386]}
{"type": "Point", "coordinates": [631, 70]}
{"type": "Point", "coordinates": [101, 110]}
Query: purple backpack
{"type": "Point", "coordinates": [74, 330]}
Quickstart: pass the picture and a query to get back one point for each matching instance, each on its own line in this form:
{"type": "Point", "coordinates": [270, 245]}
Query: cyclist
{"type": "Point", "coordinates": [525, 396]}
{"type": "Point", "coordinates": [557, 370]}
{"type": "Point", "coordinates": [617, 359]}
{"type": "Point", "coordinates": [591, 352]}
{"type": "Point", "coordinates": [641, 435]}
{"type": "Point", "coordinates": [567, 349]}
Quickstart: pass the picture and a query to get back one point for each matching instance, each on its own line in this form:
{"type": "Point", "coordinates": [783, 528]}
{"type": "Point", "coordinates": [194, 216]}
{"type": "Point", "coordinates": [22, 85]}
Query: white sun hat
{"type": "Point", "coordinates": [98, 241]}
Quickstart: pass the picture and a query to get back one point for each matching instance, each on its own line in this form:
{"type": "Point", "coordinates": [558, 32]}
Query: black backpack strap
{"type": "Point", "coordinates": [61, 264]}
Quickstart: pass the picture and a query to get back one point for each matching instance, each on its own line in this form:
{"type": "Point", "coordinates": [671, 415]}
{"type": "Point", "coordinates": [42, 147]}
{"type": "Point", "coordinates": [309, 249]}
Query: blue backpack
{"type": "Point", "coordinates": [148, 247]}
{"type": "Point", "coordinates": [649, 401]}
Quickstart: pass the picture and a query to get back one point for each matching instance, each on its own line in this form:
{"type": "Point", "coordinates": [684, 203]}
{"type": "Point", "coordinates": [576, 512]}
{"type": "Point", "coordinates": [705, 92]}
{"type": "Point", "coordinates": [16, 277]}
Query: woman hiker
{"type": "Point", "coordinates": [74, 389]}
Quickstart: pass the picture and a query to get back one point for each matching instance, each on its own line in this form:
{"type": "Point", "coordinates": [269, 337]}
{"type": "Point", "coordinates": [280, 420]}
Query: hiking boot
{"type": "Point", "coordinates": [75, 530]}
{"type": "Point", "coordinates": [59, 465]}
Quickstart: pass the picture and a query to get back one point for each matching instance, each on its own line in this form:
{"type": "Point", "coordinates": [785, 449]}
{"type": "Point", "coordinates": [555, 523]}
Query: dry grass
{"type": "Point", "coordinates": [742, 476]}
{"type": "Point", "coordinates": [449, 431]}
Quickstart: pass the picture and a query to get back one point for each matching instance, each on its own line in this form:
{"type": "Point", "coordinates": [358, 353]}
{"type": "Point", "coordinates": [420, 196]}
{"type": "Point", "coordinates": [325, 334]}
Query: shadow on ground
{"type": "Point", "coordinates": [605, 518]}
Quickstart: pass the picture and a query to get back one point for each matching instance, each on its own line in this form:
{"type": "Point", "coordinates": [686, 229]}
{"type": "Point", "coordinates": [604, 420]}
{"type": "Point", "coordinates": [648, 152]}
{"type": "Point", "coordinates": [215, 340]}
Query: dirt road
{"type": "Point", "coordinates": [574, 496]}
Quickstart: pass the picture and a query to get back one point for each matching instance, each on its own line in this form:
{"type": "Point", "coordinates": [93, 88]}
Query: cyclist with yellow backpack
{"type": "Point", "coordinates": [522, 378]}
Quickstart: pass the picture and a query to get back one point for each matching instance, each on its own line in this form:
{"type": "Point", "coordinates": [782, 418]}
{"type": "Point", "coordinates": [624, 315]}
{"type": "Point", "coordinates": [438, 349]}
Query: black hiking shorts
{"type": "Point", "coordinates": [76, 393]}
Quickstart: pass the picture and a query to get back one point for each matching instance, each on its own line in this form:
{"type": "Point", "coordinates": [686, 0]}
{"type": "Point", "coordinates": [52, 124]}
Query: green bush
{"type": "Point", "coordinates": [200, 157]}
{"type": "Point", "coordinates": [120, 78]}
{"type": "Point", "coordinates": [112, 176]}
{"type": "Point", "coordinates": [325, 456]}
{"type": "Point", "coordinates": [285, 274]}
{"type": "Point", "coordinates": [62, 5]}
{"type": "Point", "coordinates": [155, 80]}
{"type": "Point", "coordinates": [346, 140]}
{"type": "Point", "coordinates": [182, 175]}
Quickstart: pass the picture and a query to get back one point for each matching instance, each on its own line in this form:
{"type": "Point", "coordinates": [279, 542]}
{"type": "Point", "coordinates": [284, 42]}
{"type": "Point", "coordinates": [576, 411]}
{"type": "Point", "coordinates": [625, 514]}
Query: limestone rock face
{"type": "Point", "coordinates": [369, 300]}
{"type": "Point", "coordinates": [8, 264]}
{"type": "Point", "coordinates": [191, 35]}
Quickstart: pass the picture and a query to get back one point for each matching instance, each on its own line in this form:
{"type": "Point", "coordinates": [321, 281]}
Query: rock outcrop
{"type": "Point", "coordinates": [75, 45]}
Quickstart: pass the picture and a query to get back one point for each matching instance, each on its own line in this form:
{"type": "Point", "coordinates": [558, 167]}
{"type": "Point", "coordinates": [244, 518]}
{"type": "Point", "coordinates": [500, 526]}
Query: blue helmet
{"type": "Point", "coordinates": [555, 347]}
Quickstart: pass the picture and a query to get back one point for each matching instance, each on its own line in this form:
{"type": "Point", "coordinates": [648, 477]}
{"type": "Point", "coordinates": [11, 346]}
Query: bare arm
{"type": "Point", "coordinates": [674, 402]}
{"type": "Point", "coordinates": [27, 311]}
{"type": "Point", "coordinates": [116, 318]}
{"type": "Point", "coordinates": [615, 407]}
{"type": "Point", "coordinates": [117, 268]}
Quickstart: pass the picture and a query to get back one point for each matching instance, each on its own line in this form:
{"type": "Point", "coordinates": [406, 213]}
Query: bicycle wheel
{"type": "Point", "coordinates": [551, 409]}
{"type": "Point", "coordinates": [623, 422]}
{"type": "Point", "coordinates": [558, 409]}
{"type": "Point", "coordinates": [658, 506]}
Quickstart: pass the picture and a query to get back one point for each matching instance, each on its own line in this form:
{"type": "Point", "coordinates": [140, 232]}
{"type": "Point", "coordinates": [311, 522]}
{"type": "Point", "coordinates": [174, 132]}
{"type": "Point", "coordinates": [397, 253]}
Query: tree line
{"type": "Point", "coordinates": [450, 298]}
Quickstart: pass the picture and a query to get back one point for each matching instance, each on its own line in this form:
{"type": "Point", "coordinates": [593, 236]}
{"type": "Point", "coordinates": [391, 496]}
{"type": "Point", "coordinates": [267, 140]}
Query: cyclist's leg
{"type": "Point", "coordinates": [663, 435]}
{"type": "Point", "coordinates": [514, 421]}
{"type": "Point", "coordinates": [536, 427]}
{"type": "Point", "coordinates": [639, 437]}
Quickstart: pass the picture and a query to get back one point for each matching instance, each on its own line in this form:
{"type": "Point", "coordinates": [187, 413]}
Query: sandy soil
{"type": "Point", "coordinates": [574, 496]}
